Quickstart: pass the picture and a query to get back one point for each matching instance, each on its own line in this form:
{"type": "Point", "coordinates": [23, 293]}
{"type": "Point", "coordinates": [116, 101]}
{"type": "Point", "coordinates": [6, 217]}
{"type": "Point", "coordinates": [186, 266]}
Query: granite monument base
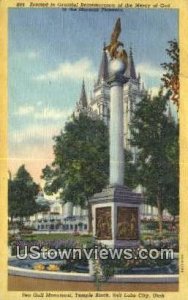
{"type": "Point", "coordinates": [116, 217]}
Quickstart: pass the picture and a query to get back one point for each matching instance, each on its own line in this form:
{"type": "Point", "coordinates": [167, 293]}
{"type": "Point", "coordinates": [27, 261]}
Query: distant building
{"type": "Point", "coordinates": [82, 105]}
{"type": "Point", "coordinates": [99, 104]}
{"type": "Point", "coordinates": [63, 217]}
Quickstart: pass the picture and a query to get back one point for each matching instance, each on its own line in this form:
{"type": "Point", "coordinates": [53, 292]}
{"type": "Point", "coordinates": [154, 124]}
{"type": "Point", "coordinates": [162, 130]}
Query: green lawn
{"type": "Point", "coordinates": [83, 239]}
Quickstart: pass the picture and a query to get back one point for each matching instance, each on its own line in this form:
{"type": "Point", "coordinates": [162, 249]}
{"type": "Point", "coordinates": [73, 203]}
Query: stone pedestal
{"type": "Point", "coordinates": [116, 217]}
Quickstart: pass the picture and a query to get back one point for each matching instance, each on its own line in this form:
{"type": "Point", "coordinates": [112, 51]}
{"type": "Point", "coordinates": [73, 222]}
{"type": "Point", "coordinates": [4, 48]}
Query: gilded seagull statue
{"type": "Point", "coordinates": [112, 48]}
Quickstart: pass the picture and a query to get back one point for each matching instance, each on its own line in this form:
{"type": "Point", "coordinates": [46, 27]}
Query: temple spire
{"type": "Point", "coordinates": [83, 97]}
{"type": "Point", "coordinates": [131, 72]}
{"type": "Point", "coordinates": [103, 70]}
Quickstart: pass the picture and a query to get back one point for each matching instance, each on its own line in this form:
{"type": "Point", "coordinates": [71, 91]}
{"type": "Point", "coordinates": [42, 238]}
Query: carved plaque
{"type": "Point", "coordinates": [103, 223]}
{"type": "Point", "coordinates": [127, 223]}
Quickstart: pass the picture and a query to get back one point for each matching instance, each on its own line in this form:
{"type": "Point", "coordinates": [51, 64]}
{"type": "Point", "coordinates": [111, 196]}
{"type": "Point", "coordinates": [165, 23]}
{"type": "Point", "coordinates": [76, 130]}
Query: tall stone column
{"type": "Point", "coordinates": [116, 209]}
{"type": "Point", "coordinates": [116, 81]}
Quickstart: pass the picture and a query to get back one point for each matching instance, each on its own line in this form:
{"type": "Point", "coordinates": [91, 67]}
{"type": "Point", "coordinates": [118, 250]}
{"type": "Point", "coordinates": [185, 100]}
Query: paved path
{"type": "Point", "coordinates": [19, 283]}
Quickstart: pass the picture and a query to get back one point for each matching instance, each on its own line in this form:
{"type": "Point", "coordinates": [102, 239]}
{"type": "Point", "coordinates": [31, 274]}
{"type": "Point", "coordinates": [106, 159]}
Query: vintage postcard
{"type": "Point", "coordinates": [93, 154]}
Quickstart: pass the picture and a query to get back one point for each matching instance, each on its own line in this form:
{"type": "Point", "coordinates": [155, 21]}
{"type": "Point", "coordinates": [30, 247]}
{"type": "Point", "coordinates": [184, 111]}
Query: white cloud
{"type": "Point", "coordinates": [34, 133]}
{"type": "Point", "coordinates": [24, 110]}
{"type": "Point", "coordinates": [39, 103]}
{"type": "Point", "coordinates": [52, 114]}
{"type": "Point", "coordinates": [46, 113]}
{"type": "Point", "coordinates": [82, 68]}
{"type": "Point", "coordinates": [40, 133]}
{"type": "Point", "coordinates": [33, 54]}
{"type": "Point", "coordinates": [147, 69]}
{"type": "Point", "coordinates": [27, 54]}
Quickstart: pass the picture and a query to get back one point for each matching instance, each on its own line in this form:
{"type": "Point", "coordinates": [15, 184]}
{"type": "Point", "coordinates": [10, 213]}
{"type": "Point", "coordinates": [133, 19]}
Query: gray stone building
{"type": "Point", "coordinates": [99, 106]}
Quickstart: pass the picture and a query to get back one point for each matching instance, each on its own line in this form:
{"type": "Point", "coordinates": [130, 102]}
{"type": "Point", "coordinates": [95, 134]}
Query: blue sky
{"type": "Point", "coordinates": [51, 50]}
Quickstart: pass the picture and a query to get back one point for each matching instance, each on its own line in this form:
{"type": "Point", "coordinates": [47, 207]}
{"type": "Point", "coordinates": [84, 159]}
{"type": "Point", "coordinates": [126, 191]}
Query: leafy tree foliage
{"type": "Point", "coordinates": [80, 167]}
{"type": "Point", "coordinates": [171, 77]}
{"type": "Point", "coordinates": [156, 137]}
{"type": "Point", "coordinates": [130, 173]}
{"type": "Point", "coordinates": [81, 163]}
{"type": "Point", "coordinates": [22, 191]}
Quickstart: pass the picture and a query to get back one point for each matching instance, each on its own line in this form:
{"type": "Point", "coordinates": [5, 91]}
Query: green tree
{"type": "Point", "coordinates": [22, 191]}
{"type": "Point", "coordinates": [130, 173]}
{"type": "Point", "coordinates": [170, 78]}
{"type": "Point", "coordinates": [81, 164]}
{"type": "Point", "coordinates": [156, 137]}
{"type": "Point", "coordinates": [172, 201]}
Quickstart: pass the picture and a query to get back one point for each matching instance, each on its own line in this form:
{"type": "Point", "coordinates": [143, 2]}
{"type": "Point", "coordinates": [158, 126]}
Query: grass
{"type": "Point", "coordinates": [154, 235]}
{"type": "Point", "coordinates": [83, 239]}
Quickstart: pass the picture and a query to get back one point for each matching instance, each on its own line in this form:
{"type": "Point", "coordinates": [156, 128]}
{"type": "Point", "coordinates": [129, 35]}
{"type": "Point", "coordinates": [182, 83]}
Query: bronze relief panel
{"type": "Point", "coordinates": [103, 223]}
{"type": "Point", "coordinates": [127, 223]}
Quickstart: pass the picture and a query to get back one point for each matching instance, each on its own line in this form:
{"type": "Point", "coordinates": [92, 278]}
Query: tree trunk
{"type": "Point", "coordinates": [90, 229]}
{"type": "Point", "coordinates": [160, 216]}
